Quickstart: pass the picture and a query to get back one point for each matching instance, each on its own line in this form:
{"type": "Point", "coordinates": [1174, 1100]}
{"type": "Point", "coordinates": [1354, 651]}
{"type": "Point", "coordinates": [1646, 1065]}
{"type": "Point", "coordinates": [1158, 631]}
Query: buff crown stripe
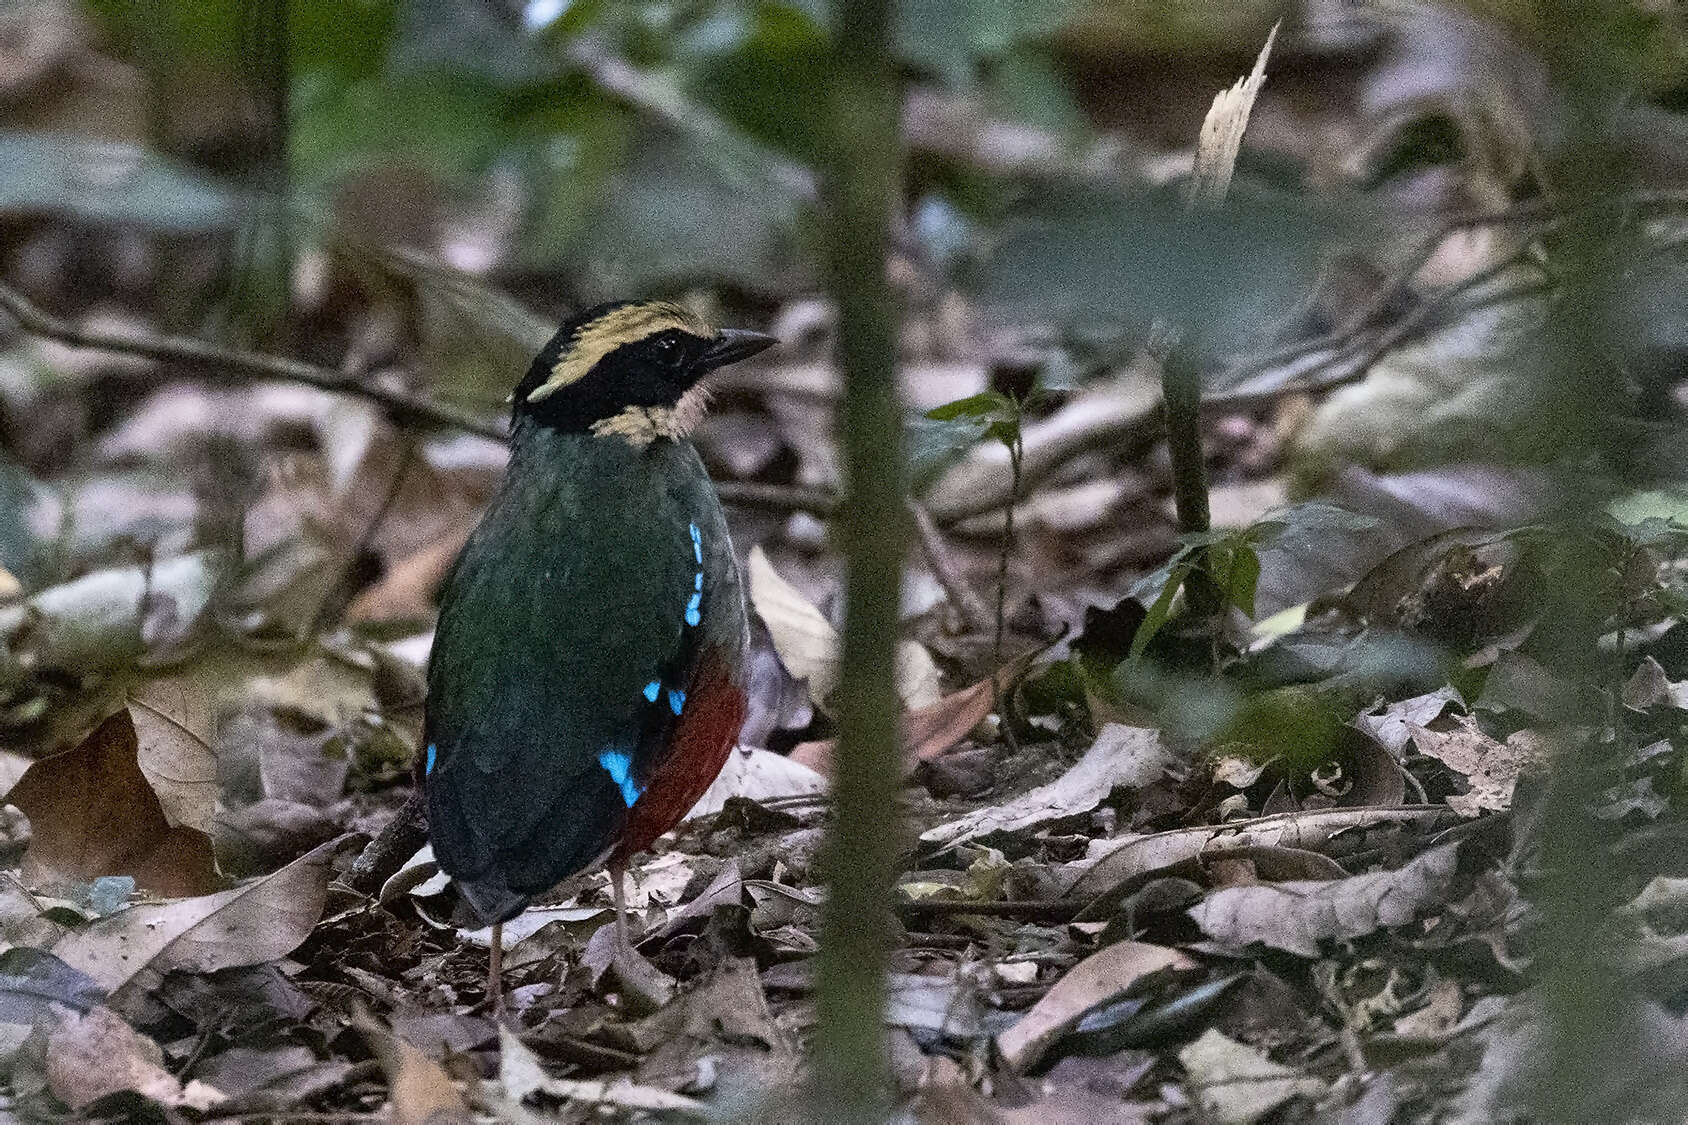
{"type": "Point", "coordinates": [609, 332]}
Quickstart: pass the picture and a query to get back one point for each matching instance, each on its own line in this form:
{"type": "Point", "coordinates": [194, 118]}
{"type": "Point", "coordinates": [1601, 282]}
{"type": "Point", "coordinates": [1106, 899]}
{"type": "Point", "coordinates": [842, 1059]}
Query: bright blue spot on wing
{"type": "Point", "coordinates": [429, 768]}
{"type": "Point", "coordinates": [697, 544]}
{"type": "Point", "coordinates": [697, 583]}
{"type": "Point", "coordinates": [692, 615]}
{"type": "Point", "coordinates": [651, 690]}
{"type": "Point", "coordinates": [619, 765]}
{"type": "Point", "coordinates": [676, 700]}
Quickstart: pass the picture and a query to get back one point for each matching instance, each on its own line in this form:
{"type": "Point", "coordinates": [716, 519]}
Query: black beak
{"type": "Point", "coordinates": [734, 344]}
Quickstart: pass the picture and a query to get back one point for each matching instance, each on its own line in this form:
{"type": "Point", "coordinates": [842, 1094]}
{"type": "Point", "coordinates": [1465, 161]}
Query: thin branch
{"type": "Point", "coordinates": [188, 350]}
{"type": "Point", "coordinates": [942, 562]}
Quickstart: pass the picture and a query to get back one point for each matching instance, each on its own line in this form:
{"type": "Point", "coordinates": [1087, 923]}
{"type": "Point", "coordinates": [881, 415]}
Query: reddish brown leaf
{"type": "Point", "coordinates": [92, 813]}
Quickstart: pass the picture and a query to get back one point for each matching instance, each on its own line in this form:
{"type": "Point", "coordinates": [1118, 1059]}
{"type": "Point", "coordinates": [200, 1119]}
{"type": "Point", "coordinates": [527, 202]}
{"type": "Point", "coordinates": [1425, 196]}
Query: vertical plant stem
{"type": "Point", "coordinates": [861, 181]}
{"type": "Point", "coordinates": [1016, 458]}
{"type": "Point", "coordinates": [1181, 391]}
{"type": "Point", "coordinates": [1589, 1008]}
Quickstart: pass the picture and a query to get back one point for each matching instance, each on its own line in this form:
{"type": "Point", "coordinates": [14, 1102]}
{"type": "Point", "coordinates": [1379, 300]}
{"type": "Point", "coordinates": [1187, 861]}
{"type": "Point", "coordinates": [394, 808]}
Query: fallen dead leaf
{"type": "Point", "coordinates": [1114, 862]}
{"type": "Point", "coordinates": [406, 591]}
{"type": "Point", "coordinates": [95, 1054]}
{"type": "Point", "coordinates": [521, 1075]}
{"type": "Point", "coordinates": [175, 728]}
{"type": "Point", "coordinates": [1651, 687]}
{"type": "Point", "coordinates": [1101, 976]}
{"type": "Point", "coordinates": [419, 1090]}
{"type": "Point", "coordinates": [808, 645]}
{"type": "Point", "coordinates": [1236, 1084]}
{"type": "Point", "coordinates": [249, 924]}
{"type": "Point", "coordinates": [1121, 757]}
{"type": "Point", "coordinates": [1296, 916]}
{"type": "Point", "coordinates": [759, 775]}
{"type": "Point", "coordinates": [1491, 768]}
{"type": "Point", "coordinates": [93, 813]}
{"type": "Point", "coordinates": [930, 732]}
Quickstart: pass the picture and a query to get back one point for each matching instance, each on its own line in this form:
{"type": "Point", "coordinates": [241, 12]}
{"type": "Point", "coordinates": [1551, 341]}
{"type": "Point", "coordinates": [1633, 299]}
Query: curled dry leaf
{"type": "Point", "coordinates": [1101, 976]}
{"type": "Point", "coordinates": [1121, 756]}
{"type": "Point", "coordinates": [1393, 726]}
{"type": "Point", "coordinates": [252, 923]}
{"type": "Point", "coordinates": [1296, 916]}
{"type": "Point", "coordinates": [92, 813]}
{"type": "Point", "coordinates": [1129, 858]}
{"type": "Point", "coordinates": [808, 645]}
{"type": "Point", "coordinates": [1236, 1084]}
{"type": "Point", "coordinates": [95, 1054]}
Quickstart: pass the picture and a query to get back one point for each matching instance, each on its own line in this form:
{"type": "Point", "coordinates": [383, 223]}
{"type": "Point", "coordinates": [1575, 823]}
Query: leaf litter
{"type": "Point", "coordinates": [1125, 896]}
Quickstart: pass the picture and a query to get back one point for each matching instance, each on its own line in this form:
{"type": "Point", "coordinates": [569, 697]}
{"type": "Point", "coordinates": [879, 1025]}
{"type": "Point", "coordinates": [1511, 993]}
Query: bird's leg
{"type": "Point", "coordinates": [495, 970]}
{"type": "Point", "coordinates": [618, 873]}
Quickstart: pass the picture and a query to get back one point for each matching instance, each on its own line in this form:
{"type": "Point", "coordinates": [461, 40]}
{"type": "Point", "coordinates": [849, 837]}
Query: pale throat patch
{"type": "Point", "coordinates": [641, 425]}
{"type": "Point", "coordinates": [625, 325]}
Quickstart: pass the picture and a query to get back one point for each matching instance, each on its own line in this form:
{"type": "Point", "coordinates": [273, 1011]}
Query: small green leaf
{"type": "Point", "coordinates": [1243, 577]}
{"type": "Point", "coordinates": [982, 406]}
{"type": "Point", "coordinates": [1005, 430]}
{"type": "Point", "coordinates": [1160, 610]}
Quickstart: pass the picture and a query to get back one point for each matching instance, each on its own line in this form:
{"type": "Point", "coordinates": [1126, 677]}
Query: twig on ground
{"type": "Point", "coordinates": [967, 601]}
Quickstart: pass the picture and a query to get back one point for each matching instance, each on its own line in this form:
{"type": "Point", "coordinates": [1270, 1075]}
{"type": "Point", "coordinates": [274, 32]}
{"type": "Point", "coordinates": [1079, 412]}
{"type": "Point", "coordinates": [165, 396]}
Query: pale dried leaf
{"type": "Point", "coordinates": [1393, 726]}
{"type": "Point", "coordinates": [1101, 976]}
{"type": "Point", "coordinates": [1236, 1084]}
{"type": "Point", "coordinates": [808, 645]}
{"type": "Point", "coordinates": [1491, 768]}
{"type": "Point", "coordinates": [759, 775]}
{"type": "Point", "coordinates": [1121, 756]}
{"type": "Point", "coordinates": [1222, 134]}
{"type": "Point", "coordinates": [1650, 687]}
{"type": "Point", "coordinates": [252, 923]}
{"type": "Point", "coordinates": [91, 1056]}
{"type": "Point", "coordinates": [521, 1075]}
{"type": "Point", "coordinates": [1112, 862]}
{"type": "Point", "coordinates": [419, 1090]}
{"type": "Point", "coordinates": [1296, 916]}
{"type": "Point", "coordinates": [805, 640]}
{"type": "Point", "coordinates": [175, 727]}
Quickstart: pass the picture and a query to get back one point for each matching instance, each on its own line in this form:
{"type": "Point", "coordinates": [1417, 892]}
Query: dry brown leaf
{"type": "Point", "coordinates": [1236, 1084]}
{"type": "Point", "coordinates": [252, 923]}
{"type": "Point", "coordinates": [1296, 916]}
{"type": "Point", "coordinates": [419, 1090]}
{"type": "Point", "coordinates": [91, 1056]}
{"type": "Point", "coordinates": [406, 591]}
{"type": "Point", "coordinates": [1101, 976]}
{"type": "Point", "coordinates": [175, 727]}
{"type": "Point", "coordinates": [1491, 768]}
{"type": "Point", "coordinates": [93, 813]}
{"type": "Point", "coordinates": [930, 732]}
{"type": "Point", "coordinates": [1121, 756]}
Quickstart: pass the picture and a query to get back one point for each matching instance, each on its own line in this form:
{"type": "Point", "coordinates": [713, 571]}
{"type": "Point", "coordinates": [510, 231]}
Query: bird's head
{"type": "Point", "coordinates": [629, 369]}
